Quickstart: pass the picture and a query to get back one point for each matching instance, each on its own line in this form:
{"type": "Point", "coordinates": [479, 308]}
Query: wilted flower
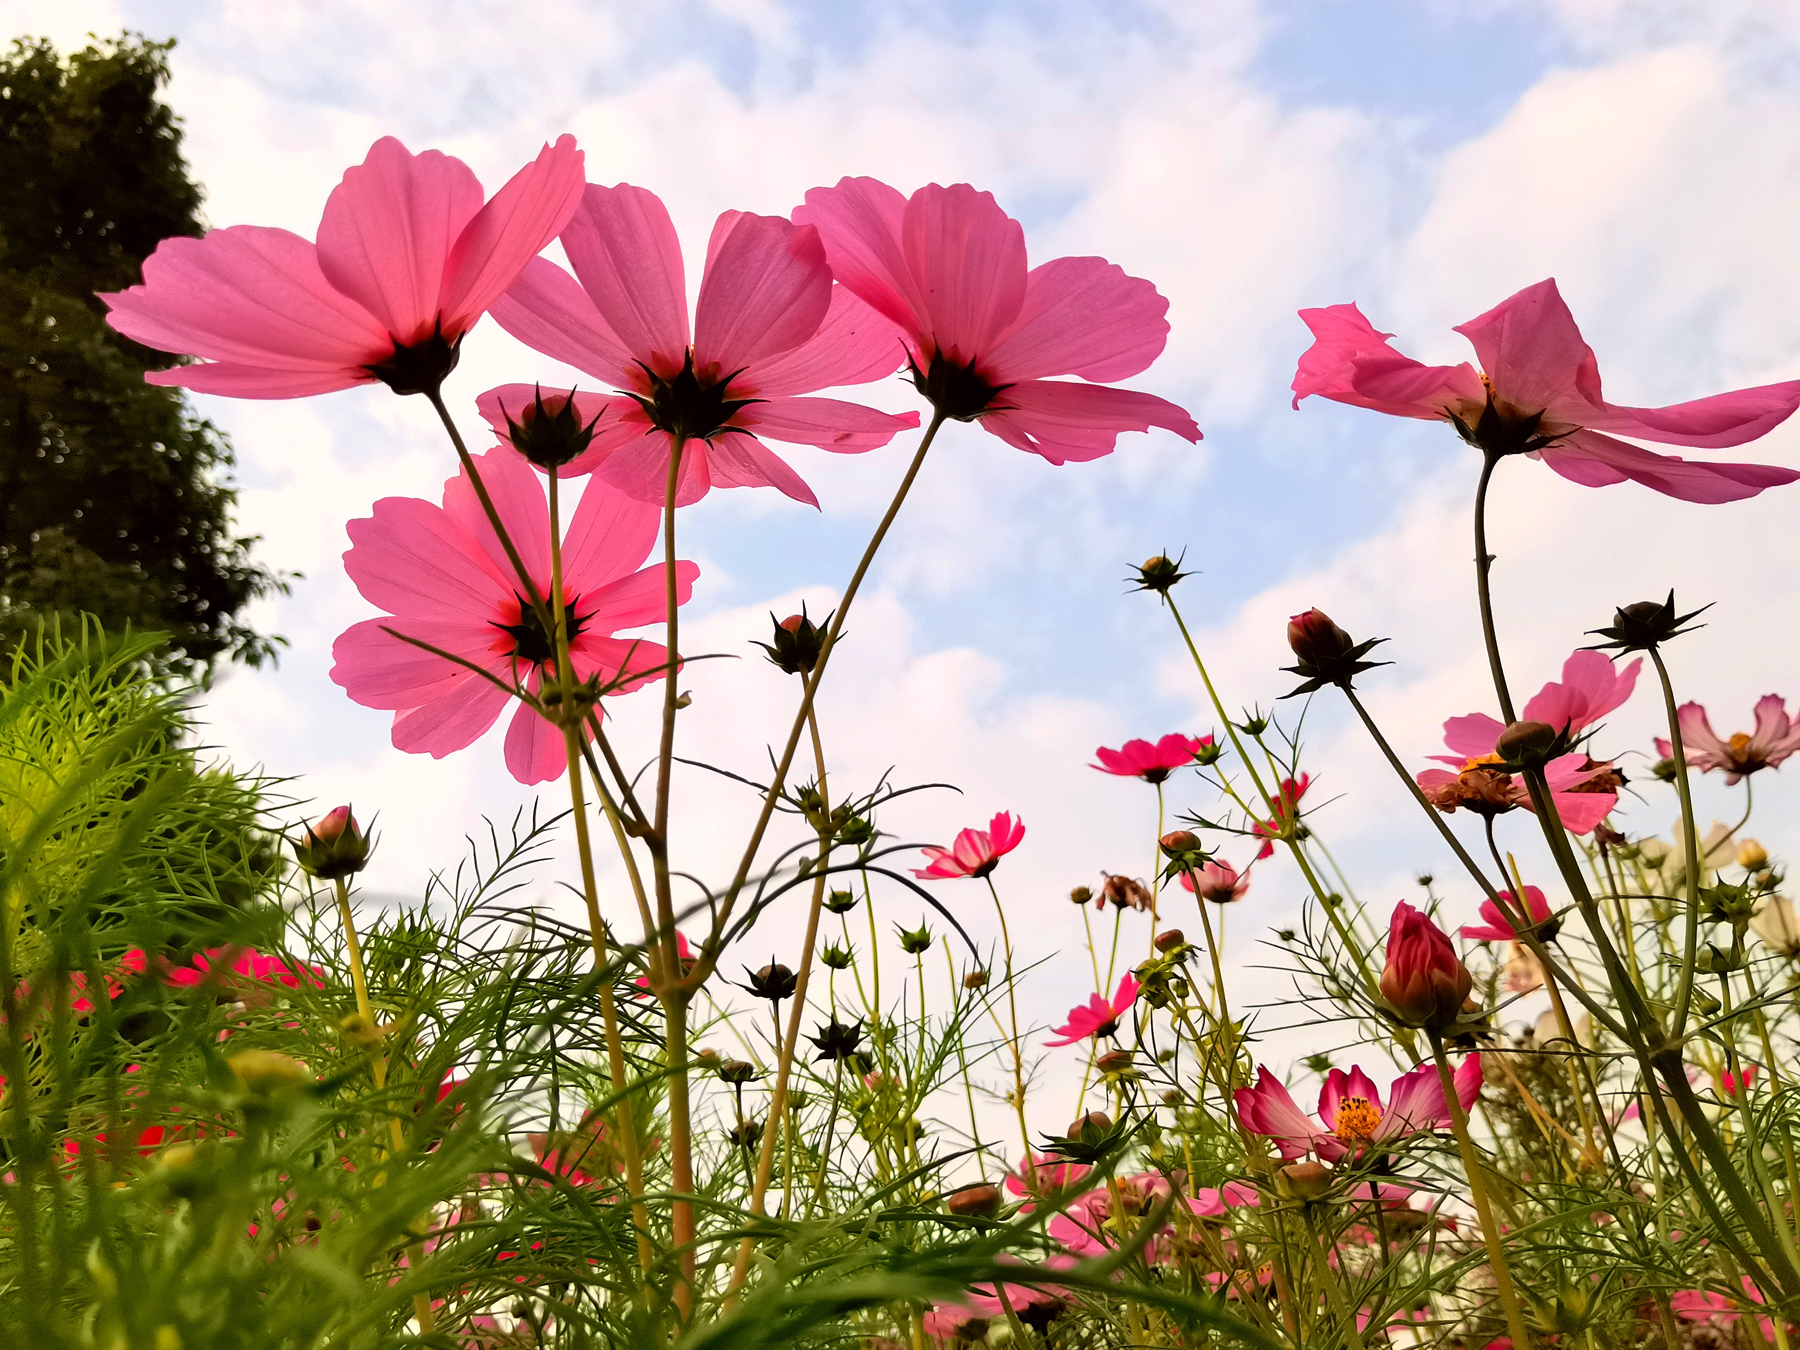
{"type": "Point", "coordinates": [1124, 892]}
{"type": "Point", "coordinates": [1424, 982]}
{"type": "Point", "coordinates": [975, 852]}
{"type": "Point", "coordinates": [1099, 1016]}
{"type": "Point", "coordinates": [1152, 763]}
{"type": "Point", "coordinates": [1773, 739]}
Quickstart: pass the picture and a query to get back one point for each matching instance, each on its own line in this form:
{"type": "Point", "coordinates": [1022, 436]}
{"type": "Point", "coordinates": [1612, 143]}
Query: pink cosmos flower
{"type": "Point", "coordinates": [1099, 1016]}
{"type": "Point", "coordinates": [1731, 1083]}
{"type": "Point", "coordinates": [221, 964]}
{"type": "Point", "coordinates": [1283, 807]}
{"type": "Point", "coordinates": [1352, 1119]}
{"type": "Point", "coordinates": [1538, 393]}
{"type": "Point", "coordinates": [1053, 1174]}
{"type": "Point", "coordinates": [768, 325]}
{"type": "Point", "coordinates": [1220, 882]}
{"type": "Point", "coordinates": [1497, 929]}
{"type": "Point", "coordinates": [1775, 738]}
{"type": "Point", "coordinates": [442, 577]}
{"type": "Point", "coordinates": [1590, 689]}
{"type": "Point", "coordinates": [975, 852]}
{"type": "Point", "coordinates": [983, 331]}
{"type": "Point", "coordinates": [1152, 763]}
{"type": "Point", "coordinates": [408, 259]}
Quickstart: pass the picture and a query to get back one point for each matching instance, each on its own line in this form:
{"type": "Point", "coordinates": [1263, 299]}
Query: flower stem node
{"type": "Point", "coordinates": [549, 431]}
{"type": "Point", "coordinates": [798, 642]}
{"type": "Point", "coordinates": [1644, 625]}
{"type": "Point", "coordinates": [980, 1201]}
{"type": "Point", "coordinates": [1326, 653]}
{"type": "Point", "coordinates": [333, 846]}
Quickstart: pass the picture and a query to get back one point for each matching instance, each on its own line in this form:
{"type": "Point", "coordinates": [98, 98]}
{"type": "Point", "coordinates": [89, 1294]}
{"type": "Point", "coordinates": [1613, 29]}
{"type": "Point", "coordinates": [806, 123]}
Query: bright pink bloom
{"type": "Point", "coordinates": [683, 953]}
{"type": "Point", "coordinates": [220, 964]}
{"type": "Point", "coordinates": [407, 261]}
{"type": "Point", "coordinates": [1352, 1119]}
{"type": "Point", "coordinates": [1731, 1082]}
{"type": "Point", "coordinates": [1424, 980]}
{"type": "Point", "coordinates": [768, 325]}
{"type": "Point", "coordinates": [1152, 763]}
{"type": "Point", "coordinates": [1582, 788]}
{"type": "Point", "coordinates": [1211, 1202]}
{"type": "Point", "coordinates": [1053, 1174]}
{"type": "Point", "coordinates": [1497, 929]}
{"type": "Point", "coordinates": [983, 331]}
{"type": "Point", "coordinates": [443, 578]}
{"type": "Point", "coordinates": [1099, 1016]}
{"type": "Point", "coordinates": [1539, 394]}
{"type": "Point", "coordinates": [1775, 738]}
{"type": "Point", "coordinates": [1283, 807]}
{"type": "Point", "coordinates": [975, 852]}
{"type": "Point", "coordinates": [1220, 882]}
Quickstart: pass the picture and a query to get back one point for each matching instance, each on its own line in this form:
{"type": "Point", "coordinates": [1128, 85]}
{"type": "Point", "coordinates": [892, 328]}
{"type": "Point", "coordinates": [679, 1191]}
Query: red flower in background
{"type": "Point", "coordinates": [1152, 763]}
{"type": "Point", "coordinates": [975, 853]}
{"type": "Point", "coordinates": [1284, 810]}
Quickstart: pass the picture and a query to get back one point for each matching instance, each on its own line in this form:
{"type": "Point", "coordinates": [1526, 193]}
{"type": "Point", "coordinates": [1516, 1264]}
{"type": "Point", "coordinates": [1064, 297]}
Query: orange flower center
{"type": "Point", "coordinates": [1481, 761]}
{"type": "Point", "coordinates": [1357, 1118]}
{"type": "Point", "coordinates": [1739, 746]}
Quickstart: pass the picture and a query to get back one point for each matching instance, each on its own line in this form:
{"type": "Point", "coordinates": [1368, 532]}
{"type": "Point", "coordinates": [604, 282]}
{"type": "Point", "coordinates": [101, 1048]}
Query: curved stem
{"type": "Point", "coordinates": [1484, 562]}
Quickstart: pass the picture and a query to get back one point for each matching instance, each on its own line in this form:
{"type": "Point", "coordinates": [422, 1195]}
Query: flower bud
{"type": "Point", "coordinates": [707, 1058]}
{"type": "Point", "coordinates": [1531, 744]}
{"type": "Point", "coordinates": [1170, 940]}
{"type": "Point", "coordinates": [1304, 1181]}
{"type": "Point", "coordinates": [835, 957]}
{"type": "Point", "coordinates": [1325, 654]}
{"type": "Point", "coordinates": [737, 1071]}
{"type": "Point", "coordinates": [837, 1040]}
{"type": "Point", "coordinates": [1752, 856]}
{"type": "Point", "coordinates": [1094, 1123]}
{"type": "Point", "coordinates": [981, 1201]}
{"type": "Point", "coordinates": [1081, 895]}
{"type": "Point", "coordinates": [914, 941]}
{"type": "Point", "coordinates": [773, 982]}
{"type": "Point", "coordinates": [266, 1072]}
{"type": "Point", "coordinates": [1174, 1097]}
{"type": "Point", "coordinates": [549, 431]}
{"type": "Point", "coordinates": [1114, 1061]}
{"type": "Point", "coordinates": [975, 979]}
{"type": "Point", "coordinates": [1424, 983]}
{"type": "Point", "coordinates": [746, 1133]}
{"type": "Point", "coordinates": [798, 643]}
{"type": "Point", "coordinates": [1180, 843]}
{"type": "Point", "coordinates": [333, 847]}
{"type": "Point", "coordinates": [841, 902]}
{"type": "Point", "coordinates": [1647, 624]}
{"type": "Point", "coordinates": [1159, 574]}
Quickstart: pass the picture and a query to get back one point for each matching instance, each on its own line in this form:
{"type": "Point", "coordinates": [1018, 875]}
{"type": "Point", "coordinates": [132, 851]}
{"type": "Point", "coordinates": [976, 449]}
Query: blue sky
{"type": "Point", "coordinates": [1425, 159]}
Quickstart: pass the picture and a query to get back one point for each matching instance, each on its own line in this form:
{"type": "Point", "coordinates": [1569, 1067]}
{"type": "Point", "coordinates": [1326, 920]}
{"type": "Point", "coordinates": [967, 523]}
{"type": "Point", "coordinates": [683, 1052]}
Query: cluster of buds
{"type": "Point", "coordinates": [1325, 654]}
{"type": "Point", "coordinates": [1161, 979]}
{"type": "Point", "coordinates": [333, 847]}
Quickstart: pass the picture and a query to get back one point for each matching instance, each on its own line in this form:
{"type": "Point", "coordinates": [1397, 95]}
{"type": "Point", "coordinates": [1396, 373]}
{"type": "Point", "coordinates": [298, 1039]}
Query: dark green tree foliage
{"type": "Point", "coordinates": [112, 495]}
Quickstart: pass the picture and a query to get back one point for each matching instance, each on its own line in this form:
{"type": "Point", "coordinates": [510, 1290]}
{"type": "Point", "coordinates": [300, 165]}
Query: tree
{"type": "Point", "coordinates": [114, 496]}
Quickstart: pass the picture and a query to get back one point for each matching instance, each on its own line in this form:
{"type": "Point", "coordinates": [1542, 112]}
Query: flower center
{"type": "Point", "coordinates": [1739, 748]}
{"type": "Point", "coordinates": [1482, 760]}
{"type": "Point", "coordinates": [530, 641]}
{"type": "Point", "coordinates": [956, 391]}
{"type": "Point", "coordinates": [684, 405]}
{"type": "Point", "coordinates": [1357, 1118]}
{"type": "Point", "coordinates": [419, 367]}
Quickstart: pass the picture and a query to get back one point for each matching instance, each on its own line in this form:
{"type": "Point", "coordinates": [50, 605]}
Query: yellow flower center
{"type": "Point", "coordinates": [1482, 761]}
{"type": "Point", "coordinates": [1357, 1118]}
{"type": "Point", "coordinates": [1739, 746]}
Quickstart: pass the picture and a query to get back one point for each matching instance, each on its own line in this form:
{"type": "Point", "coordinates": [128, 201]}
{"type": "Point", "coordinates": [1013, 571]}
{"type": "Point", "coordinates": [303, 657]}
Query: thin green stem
{"type": "Point", "coordinates": [1484, 563]}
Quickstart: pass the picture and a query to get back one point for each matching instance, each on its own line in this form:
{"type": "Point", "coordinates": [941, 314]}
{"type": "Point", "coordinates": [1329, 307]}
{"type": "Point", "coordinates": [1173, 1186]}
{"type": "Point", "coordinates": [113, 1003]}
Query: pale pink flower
{"type": "Point", "coordinates": [1352, 1118]}
{"type": "Point", "coordinates": [1583, 789]}
{"type": "Point", "coordinates": [1152, 763]}
{"type": "Point", "coordinates": [1053, 1174]}
{"type": "Point", "coordinates": [443, 578]}
{"type": "Point", "coordinates": [984, 332]}
{"type": "Point", "coordinates": [1775, 737]}
{"type": "Point", "coordinates": [1099, 1016]}
{"type": "Point", "coordinates": [768, 325]}
{"type": "Point", "coordinates": [1538, 393]}
{"type": "Point", "coordinates": [408, 259]}
{"type": "Point", "coordinates": [1218, 880]}
{"type": "Point", "coordinates": [975, 853]}
{"type": "Point", "coordinates": [1497, 928]}
{"type": "Point", "coordinates": [1590, 688]}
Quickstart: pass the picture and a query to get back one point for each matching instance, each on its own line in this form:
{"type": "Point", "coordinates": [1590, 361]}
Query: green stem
{"type": "Point", "coordinates": [1484, 563]}
{"type": "Point", "coordinates": [1690, 828]}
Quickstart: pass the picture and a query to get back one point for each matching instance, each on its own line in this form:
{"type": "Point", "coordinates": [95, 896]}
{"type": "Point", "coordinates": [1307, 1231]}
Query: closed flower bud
{"type": "Point", "coordinates": [1529, 744]}
{"type": "Point", "coordinates": [1180, 843]}
{"type": "Point", "coordinates": [549, 431]}
{"type": "Point", "coordinates": [1325, 654]}
{"type": "Point", "coordinates": [737, 1071]}
{"type": "Point", "coordinates": [746, 1133]}
{"type": "Point", "coordinates": [773, 982]}
{"type": "Point", "coordinates": [841, 902]}
{"type": "Point", "coordinates": [707, 1058]}
{"type": "Point", "coordinates": [1639, 627]}
{"type": "Point", "coordinates": [333, 846]}
{"type": "Point", "coordinates": [975, 979]}
{"type": "Point", "coordinates": [1159, 574]}
{"type": "Point", "coordinates": [980, 1201]}
{"type": "Point", "coordinates": [1752, 855]}
{"type": "Point", "coordinates": [837, 1040]}
{"type": "Point", "coordinates": [1094, 1122]}
{"type": "Point", "coordinates": [914, 941]}
{"type": "Point", "coordinates": [266, 1072]}
{"type": "Point", "coordinates": [835, 957]}
{"type": "Point", "coordinates": [798, 643]}
{"type": "Point", "coordinates": [1174, 1097]}
{"type": "Point", "coordinates": [1170, 940]}
{"type": "Point", "coordinates": [1304, 1181]}
{"type": "Point", "coordinates": [1424, 982]}
{"type": "Point", "coordinates": [1081, 895]}
{"type": "Point", "coordinates": [1114, 1061]}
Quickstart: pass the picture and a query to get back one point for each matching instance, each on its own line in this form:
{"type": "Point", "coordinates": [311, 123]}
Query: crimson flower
{"type": "Point", "coordinates": [1538, 393]}
{"type": "Point", "coordinates": [1152, 763]}
{"type": "Point", "coordinates": [1352, 1119]}
{"type": "Point", "coordinates": [408, 259]}
{"type": "Point", "coordinates": [1284, 808]}
{"type": "Point", "coordinates": [443, 578]}
{"type": "Point", "coordinates": [768, 325]}
{"type": "Point", "coordinates": [1498, 928]}
{"type": "Point", "coordinates": [1218, 881]}
{"type": "Point", "coordinates": [975, 853]}
{"type": "Point", "coordinates": [1099, 1016]}
{"type": "Point", "coordinates": [983, 331]}
{"type": "Point", "coordinates": [1424, 982]}
{"type": "Point", "coordinates": [1775, 738]}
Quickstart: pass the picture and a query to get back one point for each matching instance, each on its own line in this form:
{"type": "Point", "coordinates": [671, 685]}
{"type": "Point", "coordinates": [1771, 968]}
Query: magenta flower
{"type": "Point", "coordinates": [408, 259]}
{"type": "Point", "coordinates": [1352, 1119]}
{"type": "Point", "coordinates": [442, 578]}
{"type": "Point", "coordinates": [1424, 981]}
{"type": "Point", "coordinates": [1538, 393]}
{"type": "Point", "coordinates": [222, 963]}
{"type": "Point", "coordinates": [1497, 928]}
{"type": "Point", "coordinates": [975, 852]}
{"type": "Point", "coordinates": [1152, 763]}
{"type": "Point", "coordinates": [1099, 1016]}
{"type": "Point", "coordinates": [1053, 1173]}
{"type": "Point", "coordinates": [1284, 807]}
{"type": "Point", "coordinates": [1218, 880]}
{"type": "Point", "coordinates": [1590, 688]}
{"type": "Point", "coordinates": [1775, 738]}
{"type": "Point", "coordinates": [768, 325]}
{"type": "Point", "coordinates": [983, 331]}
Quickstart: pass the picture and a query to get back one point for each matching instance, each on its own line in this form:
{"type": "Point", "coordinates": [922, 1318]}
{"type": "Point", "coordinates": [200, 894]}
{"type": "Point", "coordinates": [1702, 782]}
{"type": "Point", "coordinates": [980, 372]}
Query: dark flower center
{"type": "Point", "coordinates": [683, 405]}
{"type": "Point", "coordinates": [530, 641]}
{"type": "Point", "coordinates": [420, 368]}
{"type": "Point", "coordinates": [956, 391]}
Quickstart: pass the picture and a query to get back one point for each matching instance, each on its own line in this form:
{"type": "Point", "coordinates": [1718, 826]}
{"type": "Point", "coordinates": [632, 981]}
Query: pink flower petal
{"type": "Point", "coordinates": [854, 345]}
{"type": "Point", "coordinates": [638, 658]}
{"type": "Point", "coordinates": [387, 233]}
{"type": "Point", "coordinates": [1590, 689]}
{"type": "Point", "coordinates": [766, 290]}
{"type": "Point", "coordinates": [524, 216]}
{"type": "Point", "coordinates": [248, 295]}
{"type": "Point", "coordinates": [1589, 458]}
{"type": "Point", "coordinates": [740, 460]}
{"type": "Point", "coordinates": [595, 410]}
{"type": "Point", "coordinates": [607, 538]}
{"type": "Point", "coordinates": [973, 254]}
{"type": "Point", "coordinates": [829, 423]}
{"type": "Point", "coordinates": [1064, 421]}
{"type": "Point", "coordinates": [451, 721]}
{"type": "Point", "coordinates": [518, 498]}
{"type": "Point", "coordinates": [860, 222]}
{"type": "Point", "coordinates": [625, 253]}
{"type": "Point", "coordinates": [1704, 423]}
{"type": "Point", "coordinates": [1082, 316]}
{"type": "Point", "coordinates": [547, 310]}
{"type": "Point", "coordinates": [535, 751]}
{"type": "Point", "coordinates": [1530, 348]}
{"type": "Point", "coordinates": [233, 379]}
{"type": "Point", "coordinates": [379, 670]}
{"type": "Point", "coordinates": [411, 559]}
{"type": "Point", "coordinates": [639, 598]}
{"type": "Point", "coordinates": [640, 468]}
{"type": "Point", "coordinates": [1350, 361]}
{"type": "Point", "coordinates": [1473, 736]}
